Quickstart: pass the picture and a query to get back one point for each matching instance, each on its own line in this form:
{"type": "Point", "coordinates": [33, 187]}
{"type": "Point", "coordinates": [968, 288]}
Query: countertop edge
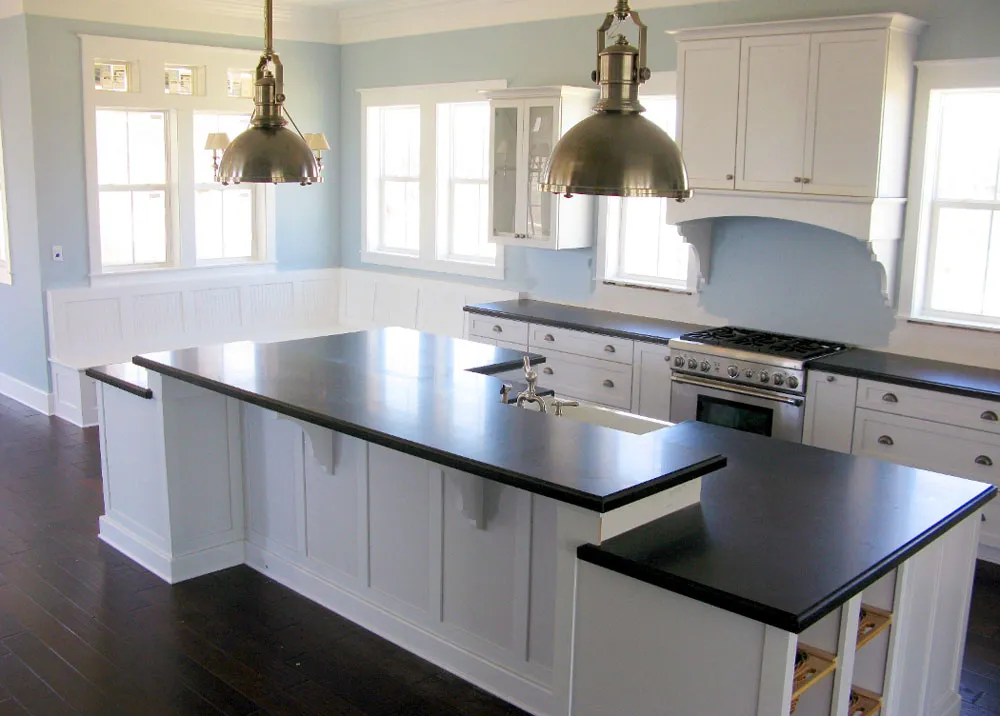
{"type": "Point", "coordinates": [852, 372]}
{"type": "Point", "coordinates": [121, 384]}
{"type": "Point", "coordinates": [570, 325]}
{"type": "Point", "coordinates": [489, 472]}
{"type": "Point", "coordinates": [781, 619]}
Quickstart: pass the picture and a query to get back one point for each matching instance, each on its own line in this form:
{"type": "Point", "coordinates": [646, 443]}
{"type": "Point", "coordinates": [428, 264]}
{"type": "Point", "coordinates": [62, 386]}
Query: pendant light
{"type": "Point", "coordinates": [268, 152]}
{"type": "Point", "coordinates": [617, 151]}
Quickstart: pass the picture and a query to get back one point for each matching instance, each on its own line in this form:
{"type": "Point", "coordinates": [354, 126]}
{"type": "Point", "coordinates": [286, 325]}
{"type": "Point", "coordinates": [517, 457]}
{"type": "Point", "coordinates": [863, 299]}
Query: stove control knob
{"type": "Point", "coordinates": [692, 363]}
{"type": "Point", "coordinates": [679, 361]}
{"type": "Point", "coordinates": [764, 376]}
{"type": "Point", "coordinates": [793, 382]}
{"type": "Point", "coordinates": [778, 379]}
{"type": "Point", "coordinates": [734, 372]}
{"type": "Point", "coordinates": [705, 366]}
{"type": "Point", "coordinates": [748, 373]}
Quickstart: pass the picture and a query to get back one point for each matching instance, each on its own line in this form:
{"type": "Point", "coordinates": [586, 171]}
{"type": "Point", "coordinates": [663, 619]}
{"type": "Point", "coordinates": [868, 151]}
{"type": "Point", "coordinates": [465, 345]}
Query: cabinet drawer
{"type": "Point", "coordinates": [930, 405]}
{"type": "Point", "coordinates": [545, 338]}
{"type": "Point", "coordinates": [932, 446]}
{"type": "Point", "coordinates": [501, 329]}
{"type": "Point", "coordinates": [597, 381]}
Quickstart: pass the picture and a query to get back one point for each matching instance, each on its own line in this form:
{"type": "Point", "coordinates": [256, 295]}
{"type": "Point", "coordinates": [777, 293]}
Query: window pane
{"type": "Point", "coordinates": [237, 223]}
{"type": "Point", "coordinates": [961, 252]}
{"type": "Point", "coordinates": [401, 216]}
{"type": "Point", "coordinates": [208, 223]}
{"type": "Point", "coordinates": [470, 219]}
{"type": "Point", "coordinates": [541, 123]}
{"type": "Point", "coordinates": [112, 147]}
{"type": "Point", "coordinates": [204, 124]}
{"type": "Point", "coordinates": [147, 148]}
{"type": "Point", "coordinates": [401, 141]}
{"type": "Point", "coordinates": [970, 145]}
{"type": "Point", "coordinates": [641, 238]}
{"type": "Point", "coordinates": [149, 231]}
{"type": "Point", "coordinates": [674, 255]}
{"type": "Point", "coordinates": [662, 111]}
{"type": "Point", "coordinates": [116, 227]}
{"type": "Point", "coordinates": [470, 138]}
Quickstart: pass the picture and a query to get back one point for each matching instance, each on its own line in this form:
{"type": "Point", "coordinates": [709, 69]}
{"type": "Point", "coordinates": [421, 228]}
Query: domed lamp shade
{"type": "Point", "coordinates": [268, 152]}
{"type": "Point", "coordinates": [618, 152]}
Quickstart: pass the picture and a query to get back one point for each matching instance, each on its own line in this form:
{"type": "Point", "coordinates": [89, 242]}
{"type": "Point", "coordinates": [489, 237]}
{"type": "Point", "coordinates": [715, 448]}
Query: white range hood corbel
{"type": "Point", "coordinates": [801, 120]}
{"type": "Point", "coordinates": [877, 223]}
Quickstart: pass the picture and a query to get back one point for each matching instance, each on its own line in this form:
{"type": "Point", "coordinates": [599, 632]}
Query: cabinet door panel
{"type": "Point", "coordinates": [844, 123]}
{"type": "Point", "coordinates": [709, 89]}
{"type": "Point", "coordinates": [503, 200]}
{"type": "Point", "coordinates": [830, 411]}
{"type": "Point", "coordinates": [653, 371]}
{"type": "Point", "coordinates": [541, 136]}
{"type": "Point", "coordinates": [774, 88]}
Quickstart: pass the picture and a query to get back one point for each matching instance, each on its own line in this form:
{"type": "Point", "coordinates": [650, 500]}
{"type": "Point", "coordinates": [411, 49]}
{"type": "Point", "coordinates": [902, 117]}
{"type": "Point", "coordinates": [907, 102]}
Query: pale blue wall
{"type": "Point", "coordinates": [22, 319]}
{"type": "Point", "coordinates": [771, 274]}
{"type": "Point", "coordinates": [307, 218]}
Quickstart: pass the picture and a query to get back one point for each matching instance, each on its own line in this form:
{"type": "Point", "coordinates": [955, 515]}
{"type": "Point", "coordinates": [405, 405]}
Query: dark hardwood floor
{"type": "Point", "coordinates": [84, 630]}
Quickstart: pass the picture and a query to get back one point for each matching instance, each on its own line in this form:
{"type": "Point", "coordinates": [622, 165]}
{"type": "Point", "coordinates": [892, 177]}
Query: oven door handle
{"type": "Point", "coordinates": [739, 389]}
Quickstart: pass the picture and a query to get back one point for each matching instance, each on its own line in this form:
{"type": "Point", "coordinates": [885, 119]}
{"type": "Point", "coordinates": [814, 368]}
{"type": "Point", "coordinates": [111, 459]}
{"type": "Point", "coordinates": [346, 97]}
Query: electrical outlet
{"type": "Point", "coordinates": [57, 254]}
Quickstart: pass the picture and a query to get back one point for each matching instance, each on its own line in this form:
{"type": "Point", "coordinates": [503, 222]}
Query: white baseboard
{"type": "Point", "coordinates": [170, 569]}
{"type": "Point", "coordinates": [504, 684]}
{"type": "Point", "coordinates": [26, 394]}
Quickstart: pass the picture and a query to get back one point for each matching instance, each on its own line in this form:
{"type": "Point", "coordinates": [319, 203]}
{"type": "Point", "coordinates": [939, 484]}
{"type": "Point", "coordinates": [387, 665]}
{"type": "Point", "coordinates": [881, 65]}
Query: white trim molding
{"type": "Point", "coordinates": [26, 394]}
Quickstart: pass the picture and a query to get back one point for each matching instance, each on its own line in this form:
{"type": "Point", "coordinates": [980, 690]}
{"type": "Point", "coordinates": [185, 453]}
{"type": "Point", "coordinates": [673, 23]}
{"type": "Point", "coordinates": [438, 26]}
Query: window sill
{"type": "Point", "coordinates": [443, 266]}
{"type": "Point", "coordinates": [135, 277]}
{"type": "Point", "coordinates": [629, 283]}
{"type": "Point", "coordinates": [963, 325]}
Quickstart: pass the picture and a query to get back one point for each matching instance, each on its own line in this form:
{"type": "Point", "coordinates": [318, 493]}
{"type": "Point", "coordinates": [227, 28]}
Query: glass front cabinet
{"type": "Point", "coordinates": [526, 125]}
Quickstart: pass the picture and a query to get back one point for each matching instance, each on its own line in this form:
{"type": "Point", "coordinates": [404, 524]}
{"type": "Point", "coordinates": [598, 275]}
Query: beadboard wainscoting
{"type": "Point", "coordinates": [94, 326]}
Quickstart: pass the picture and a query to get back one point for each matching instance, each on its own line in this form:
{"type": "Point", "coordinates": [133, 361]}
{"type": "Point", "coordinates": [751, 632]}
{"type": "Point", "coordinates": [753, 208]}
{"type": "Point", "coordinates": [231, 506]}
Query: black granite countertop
{"type": "Point", "coordinates": [953, 378]}
{"type": "Point", "coordinates": [651, 330]}
{"type": "Point", "coordinates": [786, 533]}
{"type": "Point", "coordinates": [125, 376]}
{"type": "Point", "coordinates": [419, 394]}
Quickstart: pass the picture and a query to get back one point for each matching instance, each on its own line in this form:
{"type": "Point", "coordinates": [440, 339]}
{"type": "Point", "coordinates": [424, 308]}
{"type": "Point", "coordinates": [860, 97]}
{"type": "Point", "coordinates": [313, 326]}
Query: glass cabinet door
{"type": "Point", "coordinates": [541, 138]}
{"type": "Point", "coordinates": [505, 153]}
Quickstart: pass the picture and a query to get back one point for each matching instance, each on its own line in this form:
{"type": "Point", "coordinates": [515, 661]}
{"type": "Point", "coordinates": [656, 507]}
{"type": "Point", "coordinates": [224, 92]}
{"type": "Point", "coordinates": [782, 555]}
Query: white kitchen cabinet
{"type": "Point", "coordinates": [708, 85]}
{"type": "Point", "coordinates": [488, 329]}
{"type": "Point", "coordinates": [542, 338]}
{"type": "Point", "coordinates": [935, 406]}
{"type": "Point", "coordinates": [590, 379]}
{"type": "Point", "coordinates": [651, 381]}
{"type": "Point", "coordinates": [830, 403]}
{"type": "Point", "coordinates": [526, 125]}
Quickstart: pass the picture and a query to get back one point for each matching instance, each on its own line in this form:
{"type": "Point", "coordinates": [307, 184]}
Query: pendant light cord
{"type": "Point", "coordinates": [268, 28]}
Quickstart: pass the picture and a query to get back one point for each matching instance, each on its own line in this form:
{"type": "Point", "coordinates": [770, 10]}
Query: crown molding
{"type": "Point", "coordinates": [292, 21]}
{"type": "Point", "coordinates": [10, 8]}
{"type": "Point", "coordinates": [380, 20]}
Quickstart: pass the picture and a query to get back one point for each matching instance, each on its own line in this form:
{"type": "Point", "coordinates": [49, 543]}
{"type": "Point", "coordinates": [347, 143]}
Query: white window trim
{"type": "Point", "coordinates": [147, 60]}
{"type": "Point", "coordinates": [427, 97]}
{"type": "Point", "coordinates": [980, 73]}
{"type": "Point", "coordinates": [6, 276]}
{"type": "Point", "coordinates": [661, 83]}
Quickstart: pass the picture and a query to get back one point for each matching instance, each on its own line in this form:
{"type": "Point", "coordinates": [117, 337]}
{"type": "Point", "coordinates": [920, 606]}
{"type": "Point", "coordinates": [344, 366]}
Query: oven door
{"type": "Point", "coordinates": [745, 408]}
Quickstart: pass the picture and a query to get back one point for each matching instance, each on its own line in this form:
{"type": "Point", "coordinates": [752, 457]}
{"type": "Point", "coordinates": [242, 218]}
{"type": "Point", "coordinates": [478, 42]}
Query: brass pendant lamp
{"type": "Point", "coordinates": [618, 152]}
{"type": "Point", "coordinates": [268, 152]}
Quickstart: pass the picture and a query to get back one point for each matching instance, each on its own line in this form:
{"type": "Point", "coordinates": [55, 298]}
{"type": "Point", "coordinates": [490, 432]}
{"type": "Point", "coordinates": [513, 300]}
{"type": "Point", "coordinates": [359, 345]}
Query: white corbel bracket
{"type": "Point", "coordinates": [320, 440]}
{"type": "Point", "coordinates": [471, 497]}
{"type": "Point", "coordinates": [698, 235]}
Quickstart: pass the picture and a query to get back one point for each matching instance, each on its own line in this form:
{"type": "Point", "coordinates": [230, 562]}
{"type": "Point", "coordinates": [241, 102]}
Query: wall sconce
{"type": "Point", "coordinates": [216, 142]}
{"type": "Point", "coordinates": [318, 143]}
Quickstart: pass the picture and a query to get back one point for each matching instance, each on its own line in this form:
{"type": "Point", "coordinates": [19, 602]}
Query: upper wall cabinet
{"type": "Point", "coordinates": [526, 125]}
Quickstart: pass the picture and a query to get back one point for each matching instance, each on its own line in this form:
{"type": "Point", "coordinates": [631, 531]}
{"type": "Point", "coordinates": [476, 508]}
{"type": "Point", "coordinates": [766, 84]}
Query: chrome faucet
{"type": "Point", "coordinates": [529, 395]}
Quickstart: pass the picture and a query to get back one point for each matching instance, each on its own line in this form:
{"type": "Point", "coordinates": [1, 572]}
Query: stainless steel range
{"type": "Point", "coordinates": [745, 379]}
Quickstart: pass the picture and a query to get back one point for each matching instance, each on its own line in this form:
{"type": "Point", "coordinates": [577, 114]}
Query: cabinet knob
{"type": "Point", "coordinates": [797, 180]}
{"type": "Point", "coordinates": [890, 398]}
{"type": "Point", "coordinates": [886, 440]}
{"type": "Point", "coordinates": [609, 384]}
{"type": "Point", "coordinates": [549, 338]}
{"type": "Point", "coordinates": [989, 416]}
{"type": "Point", "coordinates": [984, 460]}
{"type": "Point", "coordinates": [548, 371]}
{"type": "Point", "coordinates": [730, 177]}
{"type": "Point", "coordinates": [609, 349]}
{"type": "Point", "coordinates": [831, 379]}
{"type": "Point", "coordinates": [497, 329]}
{"type": "Point", "coordinates": [806, 180]}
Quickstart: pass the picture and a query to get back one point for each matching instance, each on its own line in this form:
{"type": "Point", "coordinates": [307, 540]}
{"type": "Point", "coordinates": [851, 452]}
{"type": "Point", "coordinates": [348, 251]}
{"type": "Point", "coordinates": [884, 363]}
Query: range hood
{"type": "Point", "coordinates": [877, 223]}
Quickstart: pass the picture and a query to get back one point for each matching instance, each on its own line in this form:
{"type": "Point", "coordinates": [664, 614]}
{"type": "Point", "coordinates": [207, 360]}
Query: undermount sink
{"type": "Point", "coordinates": [605, 417]}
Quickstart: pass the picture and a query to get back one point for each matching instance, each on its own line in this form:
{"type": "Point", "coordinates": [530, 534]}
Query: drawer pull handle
{"type": "Point", "coordinates": [609, 384]}
{"type": "Point", "coordinates": [497, 329]}
{"type": "Point", "coordinates": [984, 460]}
{"type": "Point", "coordinates": [730, 177]}
{"type": "Point", "coordinates": [989, 416]}
{"type": "Point", "coordinates": [831, 379]}
{"type": "Point", "coordinates": [609, 349]}
{"type": "Point", "coordinates": [550, 338]}
{"type": "Point", "coordinates": [890, 398]}
{"type": "Point", "coordinates": [886, 440]}
{"type": "Point", "coordinates": [548, 371]}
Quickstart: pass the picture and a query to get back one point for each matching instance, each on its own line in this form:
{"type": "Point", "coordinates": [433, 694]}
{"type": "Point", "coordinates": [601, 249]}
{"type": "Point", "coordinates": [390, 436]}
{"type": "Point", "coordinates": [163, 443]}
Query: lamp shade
{"type": "Point", "coordinates": [217, 141]}
{"type": "Point", "coordinates": [617, 154]}
{"type": "Point", "coordinates": [317, 142]}
{"type": "Point", "coordinates": [268, 154]}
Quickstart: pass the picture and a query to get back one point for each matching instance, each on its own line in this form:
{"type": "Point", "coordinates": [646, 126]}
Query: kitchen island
{"type": "Point", "coordinates": [379, 474]}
